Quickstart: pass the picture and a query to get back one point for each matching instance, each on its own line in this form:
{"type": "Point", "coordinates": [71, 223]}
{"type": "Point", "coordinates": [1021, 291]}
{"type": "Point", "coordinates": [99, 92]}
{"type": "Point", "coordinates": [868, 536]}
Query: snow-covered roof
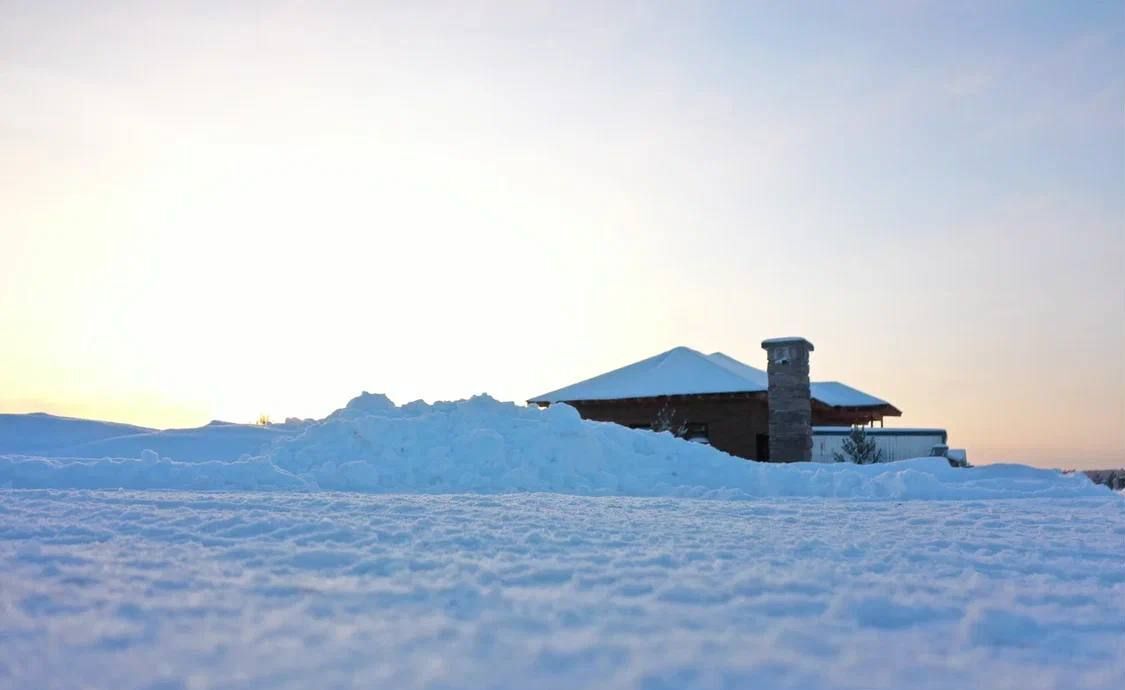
{"type": "Point", "coordinates": [679, 371]}
{"type": "Point", "coordinates": [684, 371]}
{"type": "Point", "coordinates": [836, 394]}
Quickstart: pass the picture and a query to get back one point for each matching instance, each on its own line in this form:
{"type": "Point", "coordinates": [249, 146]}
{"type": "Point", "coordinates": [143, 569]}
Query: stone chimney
{"type": "Point", "coordinates": [790, 404]}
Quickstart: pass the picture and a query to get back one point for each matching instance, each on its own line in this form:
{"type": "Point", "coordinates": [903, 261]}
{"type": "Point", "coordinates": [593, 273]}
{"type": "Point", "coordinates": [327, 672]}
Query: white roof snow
{"type": "Point", "coordinates": [679, 371]}
{"type": "Point", "coordinates": [684, 371]}
{"type": "Point", "coordinates": [756, 376]}
{"type": "Point", "coordinates": [836, 394]}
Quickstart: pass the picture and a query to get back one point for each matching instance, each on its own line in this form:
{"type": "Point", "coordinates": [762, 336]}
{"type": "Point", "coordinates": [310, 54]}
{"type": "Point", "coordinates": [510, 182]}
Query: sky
{"type": "Point", "coordinates": [221, 210]}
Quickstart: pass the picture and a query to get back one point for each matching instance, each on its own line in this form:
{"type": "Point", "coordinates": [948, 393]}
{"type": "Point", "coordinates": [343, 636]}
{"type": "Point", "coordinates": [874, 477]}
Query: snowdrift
{"type": "Point", "coordinates": [40, 433]}
{"type": "Point", "coordinates": [484, 446]}
{"type": "Point", "coordinates": [216, 441]}
{"type": "Point", "coordinates": [66, 437]}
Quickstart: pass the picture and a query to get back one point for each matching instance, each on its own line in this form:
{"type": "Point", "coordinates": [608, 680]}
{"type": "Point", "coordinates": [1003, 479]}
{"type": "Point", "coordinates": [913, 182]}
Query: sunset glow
{"type": "Point", "coordinates": [214, 212]}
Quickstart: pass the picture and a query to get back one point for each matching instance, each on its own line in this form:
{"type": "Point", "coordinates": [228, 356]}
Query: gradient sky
{"type": "Point", "coordinates": [216, 210]}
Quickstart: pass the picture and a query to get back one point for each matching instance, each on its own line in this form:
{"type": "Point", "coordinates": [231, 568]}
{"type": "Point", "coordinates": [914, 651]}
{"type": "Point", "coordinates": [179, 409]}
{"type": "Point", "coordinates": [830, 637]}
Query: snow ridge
{"type": "Point", "coordinates": [481, 445]}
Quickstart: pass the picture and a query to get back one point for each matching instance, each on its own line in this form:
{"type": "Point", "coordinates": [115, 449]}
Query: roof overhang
{"type": "Point", "coordinates": [852, 414]}
{"type": "Point", "coordinates": [737, 395]}
{"type": "Point", "coordinates": [683, 373]}
{"type": "Point", "coordinates": [875, 411]}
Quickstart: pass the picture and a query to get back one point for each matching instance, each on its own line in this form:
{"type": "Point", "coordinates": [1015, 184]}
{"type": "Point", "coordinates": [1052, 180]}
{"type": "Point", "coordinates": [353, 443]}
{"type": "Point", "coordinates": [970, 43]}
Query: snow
{"type": "Point", "coordinates": [480, 544]}
{"type": "Point", "coordinates": [757, 378]}
{"type": "Point", "coordinates": [787, 340]}
{"type": "Point", "coordinates": [163, 590]}
{"type": "Point", "coordinates": [679, 371]}
{"type": "Point", "coordinates": [684, 371]}
{"type": "Point", "coordinates": [836, 394]}
{"type": "Point", "coordinates": [485, 446]}
{"type": "Point", "coordinates": [42, 433]}
{"type": "Point", "coordinates": [50, 436]}
{"type": "Point", "coordinates": [212, 442]}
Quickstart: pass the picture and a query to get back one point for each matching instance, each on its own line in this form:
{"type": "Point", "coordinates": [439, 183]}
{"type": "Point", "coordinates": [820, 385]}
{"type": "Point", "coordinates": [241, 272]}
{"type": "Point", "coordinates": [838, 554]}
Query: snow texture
{"type": "Point", "coordinates": [241, 591]}
{"type": "Point", "coordinates": [679, 371]}
{"type": "Point", "coordinates": [684, 371]}
{"type": "Point", "coordinates": [836, 394]}
{"type": "Point", "coordinates": [39, 433]}
{"type": "Point", "coordinates": [484, 446]}
{"type": "Point", "coordinates": [50, 436]}
{"type": "Point", "coordinates": [211, 442]}
{"type": "Point", "coordinates": [400, 547]}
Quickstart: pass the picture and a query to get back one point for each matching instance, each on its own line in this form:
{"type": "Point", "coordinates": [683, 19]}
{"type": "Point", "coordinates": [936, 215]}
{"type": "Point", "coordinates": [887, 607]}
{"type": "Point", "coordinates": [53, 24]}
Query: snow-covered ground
{"type": "Point", "coordinates": [121, 589]}
{"type": "Point", "coordinates": [485, 545]}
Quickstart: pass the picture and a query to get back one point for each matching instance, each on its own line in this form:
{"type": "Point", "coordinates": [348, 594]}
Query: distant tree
{"type": "Point", "coordinates": [665, 420]}
{"type": "Point", "coordinates": [263, 420]}
{"type": "Point", "coordinates": [858, 448]}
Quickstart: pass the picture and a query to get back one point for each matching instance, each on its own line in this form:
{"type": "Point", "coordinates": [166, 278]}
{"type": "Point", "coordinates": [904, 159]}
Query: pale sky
{"type": "Point", "coordinates": [217, 210]}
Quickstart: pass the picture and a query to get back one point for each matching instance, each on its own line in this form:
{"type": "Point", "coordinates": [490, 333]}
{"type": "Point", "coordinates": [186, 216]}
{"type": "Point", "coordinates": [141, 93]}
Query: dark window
{"type": "Point", "coordinates": [763, 447]}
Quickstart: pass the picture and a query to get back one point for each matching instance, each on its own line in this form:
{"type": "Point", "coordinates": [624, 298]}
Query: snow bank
{"type": "Point", "coordinates": [66, 437]}
{"type": "Point", "coordinates": [40, 433]}
{"type": "Point", "coordinates": [484, 446]}
{"type": "Point", "coordinates": [150, 471]}
{"type": "Point", "coordinates": [215, 441]}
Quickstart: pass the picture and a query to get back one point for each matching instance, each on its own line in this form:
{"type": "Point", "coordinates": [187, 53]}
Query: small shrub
{"type": "Point", "coordinates": [666, 421]}
{"type": "Point", "coordinates": [858, 448]}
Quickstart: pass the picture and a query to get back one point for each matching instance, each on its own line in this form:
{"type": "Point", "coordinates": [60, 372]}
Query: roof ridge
{"type": "Point", "coordinates": [723, 378]}
{"type": "Point", "coordinates": [682, 370]}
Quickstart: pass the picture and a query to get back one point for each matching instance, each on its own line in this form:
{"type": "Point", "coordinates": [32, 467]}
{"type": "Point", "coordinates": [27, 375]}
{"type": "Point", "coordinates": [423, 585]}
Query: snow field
{"type": "Point", "coordinates": [170, 590]}
{"type": "Point", "coordinates": [402, 547]}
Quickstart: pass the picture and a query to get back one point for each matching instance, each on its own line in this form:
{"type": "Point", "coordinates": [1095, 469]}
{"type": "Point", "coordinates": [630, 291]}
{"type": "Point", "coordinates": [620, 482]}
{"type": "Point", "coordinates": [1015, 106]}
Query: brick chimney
{"type": "Point", "coordinates": [790, 399]}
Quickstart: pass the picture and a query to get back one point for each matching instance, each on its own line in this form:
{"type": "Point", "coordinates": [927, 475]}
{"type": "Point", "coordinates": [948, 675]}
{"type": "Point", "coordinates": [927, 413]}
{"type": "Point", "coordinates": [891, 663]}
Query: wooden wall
{"type": "Point", "coordinates": [736, 423]}
{"type": "Point", "coordinates": [733, 423]}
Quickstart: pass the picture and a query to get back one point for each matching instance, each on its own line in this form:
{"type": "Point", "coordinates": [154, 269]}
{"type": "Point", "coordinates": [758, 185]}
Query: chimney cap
{"type": "Point", "coordinates": [789, 340]}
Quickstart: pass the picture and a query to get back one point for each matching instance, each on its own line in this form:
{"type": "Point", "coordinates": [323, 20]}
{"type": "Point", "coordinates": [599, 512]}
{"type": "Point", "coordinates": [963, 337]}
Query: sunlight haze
{"type": "Point", "coordinates": [211, 211]}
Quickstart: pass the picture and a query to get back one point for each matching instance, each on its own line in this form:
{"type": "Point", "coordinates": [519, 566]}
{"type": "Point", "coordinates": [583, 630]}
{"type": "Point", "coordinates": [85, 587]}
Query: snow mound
{"type": "Point", "coordinates": [365, 404]}
{"type": "Point", "coordinates": [481, 445]}
{"type": "Point", "coordinates": [215, 441]}
{"type": "Point", "coordinates": [149, 471]}
{"type": "Point", "coordinates": [66, 437]}
{"type": "Point", "coordinates": [40, 433]}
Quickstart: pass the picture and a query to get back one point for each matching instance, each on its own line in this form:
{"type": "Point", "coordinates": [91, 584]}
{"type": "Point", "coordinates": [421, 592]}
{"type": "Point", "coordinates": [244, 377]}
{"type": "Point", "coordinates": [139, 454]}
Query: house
{"type": "Point", "coordinates": [719, 400]}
